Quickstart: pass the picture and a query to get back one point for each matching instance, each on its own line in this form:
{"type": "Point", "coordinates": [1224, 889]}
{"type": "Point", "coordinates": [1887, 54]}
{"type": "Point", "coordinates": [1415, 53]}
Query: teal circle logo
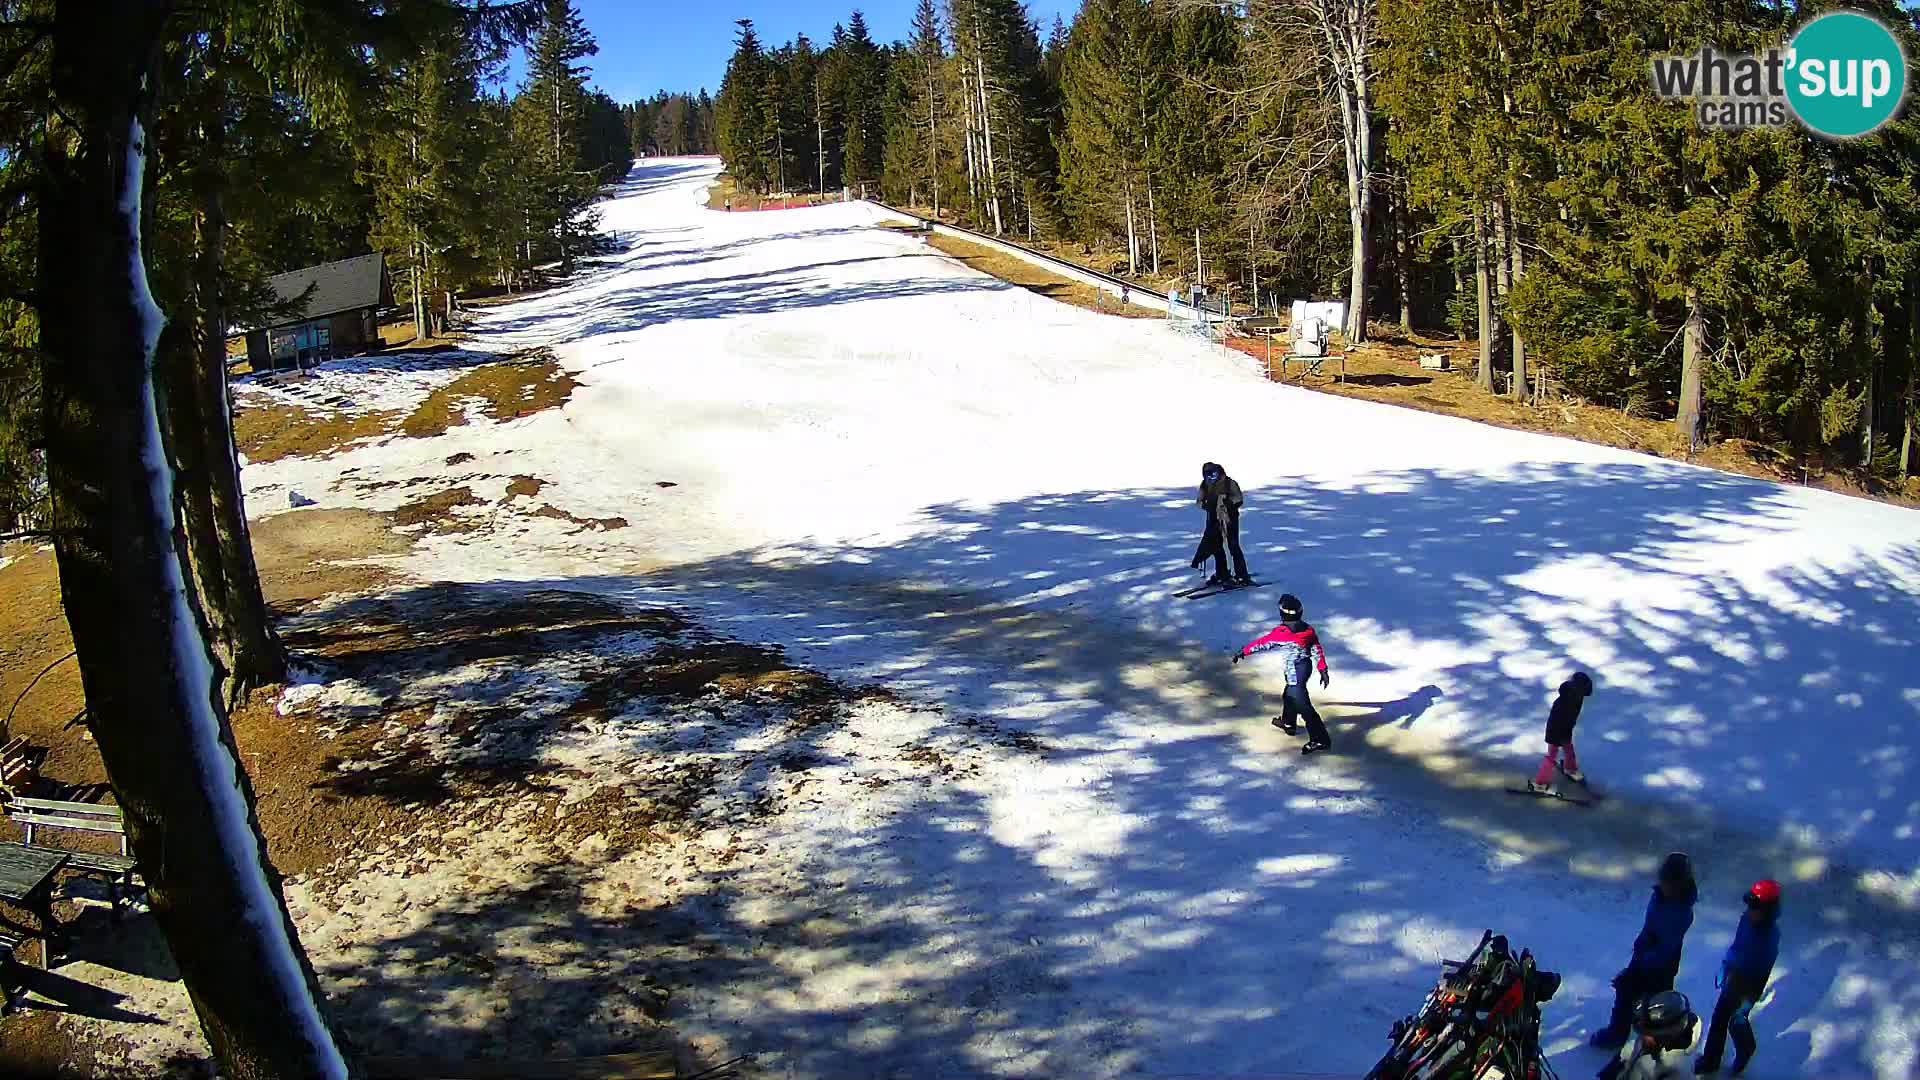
{"type": "Point", "coordinates": [1847, 75]}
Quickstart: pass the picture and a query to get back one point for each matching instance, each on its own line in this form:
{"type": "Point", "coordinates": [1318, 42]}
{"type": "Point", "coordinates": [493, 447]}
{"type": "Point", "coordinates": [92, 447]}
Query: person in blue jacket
{"type": "Point", "coordinates": [1743, 975]}
{"type": "Point", "coordinates": [1656, 952]}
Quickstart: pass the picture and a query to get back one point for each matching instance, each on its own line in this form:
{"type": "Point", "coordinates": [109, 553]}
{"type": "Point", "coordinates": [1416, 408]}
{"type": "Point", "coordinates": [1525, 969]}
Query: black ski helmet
{"type": "Point", "coordinates": [1667, 1018]}
{"type": "Point", "coordinates": [1209, 470]}
{"type": "Point", "coordinates": [1290, 606]}
{"type": "Point", "coordinates": [1582, 684]}
{"type": "Point", "coordinates": [1678, 869]}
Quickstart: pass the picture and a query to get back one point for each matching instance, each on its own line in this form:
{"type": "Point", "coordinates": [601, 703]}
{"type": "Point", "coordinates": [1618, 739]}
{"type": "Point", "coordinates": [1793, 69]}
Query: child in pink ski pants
{"type": "Point", "coordinates": [1560, 723]}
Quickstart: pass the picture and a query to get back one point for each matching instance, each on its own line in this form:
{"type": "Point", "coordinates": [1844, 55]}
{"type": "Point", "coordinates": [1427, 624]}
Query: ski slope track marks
{"type": "Point", "coordinates": [906, 472]}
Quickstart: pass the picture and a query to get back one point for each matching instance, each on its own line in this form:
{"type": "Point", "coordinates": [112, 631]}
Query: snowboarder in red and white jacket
{"type": "Point", "coordinates": [1300, 650]}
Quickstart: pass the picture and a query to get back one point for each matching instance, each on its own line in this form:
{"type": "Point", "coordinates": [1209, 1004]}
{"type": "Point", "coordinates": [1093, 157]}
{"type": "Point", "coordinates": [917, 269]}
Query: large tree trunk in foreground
{"type": "Point", "coordinates": [150, 681]}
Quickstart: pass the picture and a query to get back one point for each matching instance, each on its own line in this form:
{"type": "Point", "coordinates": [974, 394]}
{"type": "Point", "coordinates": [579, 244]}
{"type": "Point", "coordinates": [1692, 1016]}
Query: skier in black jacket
{"type": "Point", "coordinates": [1221, 498]}
{"type": "Point", "coordinates": [1560, 723]}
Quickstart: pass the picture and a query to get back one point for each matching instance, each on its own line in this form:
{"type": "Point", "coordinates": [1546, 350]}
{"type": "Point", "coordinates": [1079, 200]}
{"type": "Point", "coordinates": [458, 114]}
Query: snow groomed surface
{"type": "Point", "coordinates": [902, 470]}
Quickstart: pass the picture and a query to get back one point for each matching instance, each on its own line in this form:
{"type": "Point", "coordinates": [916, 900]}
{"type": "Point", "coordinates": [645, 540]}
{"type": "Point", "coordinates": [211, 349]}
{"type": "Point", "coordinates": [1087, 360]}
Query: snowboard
{"type": "Point", "coordinates": [1215, 590]}
{"type": "Point", "coordinates": [1548, 795]}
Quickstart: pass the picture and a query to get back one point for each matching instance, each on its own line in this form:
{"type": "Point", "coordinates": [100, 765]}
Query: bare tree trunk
{"type": "Point", "coordinates": [1133, 239]}
{"type": "Point", "coordinates": [1348, 28]}
{"type": "Point", "coordinates": [1518, 389]}
{"type": "Point", "coordinates": [1459, 268]}
{"type": "Point", "coordinates": [1253, 268]}
{"type": "Point", "coordinates": [1402, 259]}
{"type": "Point", "coordinates": [1146, 155]}
{"type": "Point", "coordinates": [1482, 280]}
{"type": "Point", "coordinates": [1153, 225]}
{"type": "Point", "coordinates": [419, 290]}
{"type": "Point", "coordinates": [986, 126]}
{"type": "Point", "coordinates": [933, 138]}
{"type": "Point", "coordinates": [255, 656]}
{"type": "Point", "coordinates": [1693, 353]}
{"type": "Point", "coordinates": [1501, 279]}
{"type": "Point", "coordinates": [151, 682]}
{"type": "Point", "coordinates": [971, 126]}
{"type": "Point", "coordinates": [1913, 366]}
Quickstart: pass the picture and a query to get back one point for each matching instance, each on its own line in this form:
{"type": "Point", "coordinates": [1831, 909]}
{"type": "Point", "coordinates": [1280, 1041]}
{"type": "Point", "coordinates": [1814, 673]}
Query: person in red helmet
{"type": "Point", "coordinates": [1743, 975]}
{"type": "Point", "coordinates": [1300, 648]}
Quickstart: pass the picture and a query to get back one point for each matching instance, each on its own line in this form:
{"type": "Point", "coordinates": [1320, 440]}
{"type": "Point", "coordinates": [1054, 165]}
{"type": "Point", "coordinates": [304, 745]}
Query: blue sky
{"type": "Point", "coordinates": [650, 45]}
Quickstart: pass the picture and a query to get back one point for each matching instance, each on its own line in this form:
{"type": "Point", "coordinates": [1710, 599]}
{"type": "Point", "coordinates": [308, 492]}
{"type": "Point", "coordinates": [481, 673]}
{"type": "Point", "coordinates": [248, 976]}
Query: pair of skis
{"type": "Point", "coordinates": [1592, 795]}
{"type": "Point", "coordinates": [1213, 589]}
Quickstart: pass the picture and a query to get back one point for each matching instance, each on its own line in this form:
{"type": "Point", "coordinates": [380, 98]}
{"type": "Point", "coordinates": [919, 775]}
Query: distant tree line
{"type": "Point", "coordinates": [671, 125]}
{"type": "Point", "coordinates": [1500, 168]}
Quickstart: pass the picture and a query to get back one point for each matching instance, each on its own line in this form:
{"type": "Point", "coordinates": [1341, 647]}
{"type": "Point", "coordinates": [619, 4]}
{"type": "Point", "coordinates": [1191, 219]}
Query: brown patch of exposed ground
{"type": "Point", "coordinates": [1034, 279]}
{"type": "Point", "coordinates": [272, 432]}
{"type": "Point", "coordinates": [524, 485]}
{"type": "Point", "coordinates": [331, 785]}
{"type": "Point", "coordinates": [304, 555]}
{"type": "Point", "coordinates": [527, 384]}
{"type": "Point", "coordinates": [435, 511]}
{"type": "Point", "coordinates": [602, 524]}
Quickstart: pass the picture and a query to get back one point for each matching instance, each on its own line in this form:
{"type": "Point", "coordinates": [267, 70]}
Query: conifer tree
{"type": "Point", "coordinates": [746, 113]}
{"type": "Point", "coordinates": [553, 105]}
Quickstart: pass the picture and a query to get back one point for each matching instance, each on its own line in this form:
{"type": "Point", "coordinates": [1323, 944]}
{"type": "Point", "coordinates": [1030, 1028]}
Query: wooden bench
{"type": "Point", "coordinates": [18, 773]}
{"type": "Point", "coordinates": [12, 992]}
{"type": "Point", "coordinates": [120, 872]}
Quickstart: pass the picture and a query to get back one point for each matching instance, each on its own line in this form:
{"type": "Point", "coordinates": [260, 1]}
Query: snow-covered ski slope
{"type": "Point", "coordinates": [900, 469]}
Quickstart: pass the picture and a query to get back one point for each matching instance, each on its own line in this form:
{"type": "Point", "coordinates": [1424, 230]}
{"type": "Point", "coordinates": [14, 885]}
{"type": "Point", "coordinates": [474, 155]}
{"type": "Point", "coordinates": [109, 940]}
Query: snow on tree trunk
{"type": "Point", "coordinates": [1693, 351]}
{"type": "Point", "coordinates": [153, 700]}
{"type": "Point", "coordinates": [259, 911]}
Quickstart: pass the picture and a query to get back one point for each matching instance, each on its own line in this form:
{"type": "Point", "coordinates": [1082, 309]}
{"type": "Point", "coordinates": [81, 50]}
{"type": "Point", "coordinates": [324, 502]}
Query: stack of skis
{"type": "Point", "coordinates": [1481, 1023]}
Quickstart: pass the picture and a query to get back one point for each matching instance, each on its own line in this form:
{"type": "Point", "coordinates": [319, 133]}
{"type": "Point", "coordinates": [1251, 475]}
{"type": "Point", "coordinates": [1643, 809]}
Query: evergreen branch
{"type": "Point", "coordinates": [10, 60]}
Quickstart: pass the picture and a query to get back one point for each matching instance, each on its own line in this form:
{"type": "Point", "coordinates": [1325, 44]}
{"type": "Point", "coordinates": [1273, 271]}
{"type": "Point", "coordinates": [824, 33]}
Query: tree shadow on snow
{"type": "Point", "coordinates": [1222, 902]}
